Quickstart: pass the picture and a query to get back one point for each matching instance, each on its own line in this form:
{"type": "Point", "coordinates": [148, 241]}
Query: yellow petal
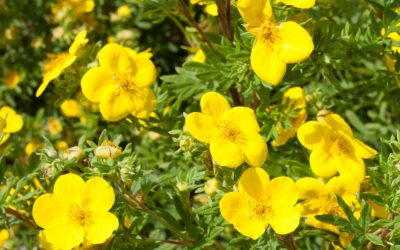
{"type": "Point", "coordinates": [200, 126]}
{"type": "Point", "coordinates": [352, 166]}
{"type": "Point", "coordinates": [98, 194]}
{"type": "Point", "coordinates": [344, 186]}
{"type": "Point", "coordinates": [4, 137]}
{"type": "Point", "coordinates": [244, 117]}
{"type": "Point", "coordinates": [314, 134]}
{"type": "Point", "coordinates": [116, 105]}
{"type": "Point", "coordinates": [79, 41]}
{"type": "Point", "coordinates": [226, 153]}
{"type": "Point", "coordinates": [295, 44]}
{"type": "Point", "coordinates": [69, 187]}
{"type": "Point", "coordinates": [104, 223]}
{"type": "Point", "coordinates": [313, 192]}
{"type": "Point", "coordinates": [214, 104]}
{"type": "Point", "coordinates": [313, 222]}
{"type": "Point", "coordinates": [109, 56]}
{"type": "Point", "coordinates": [253, 182]}
{"type": "Point", "coordinates": [48, 211]}
{"type": "Point", "coordinates": [64, 236]}
{"type": "Point", "coordinates": [59, 66]}
{"type": "Point", "coordinates": [234, 208]}
{"type": "Point", "coordinates": [211, 9]}
{"type": "Point", "coordinates": [255, 149]}
{"type": "Point", "coordinates": [282, 192]}
{"type": "Point", "coordinates": [283, 136]}
{"type": "Point", "coordinates": [143, 101]}
{"type": "Point", "coordinates": [254, 12]}
{"type": "Point", "coordinates": [337, 123]}
{"type": "Point", "coordinates": [146, 73]}
{"type": "Point", "coordinates": [362, 150]}
{"type": "Point", "coordinates": [323, 163]}
{"type": "Point", "coordinates": [266, 63]}
{"type": "Point", "coordinates": [14, 122]}
{"type": "Point", "coordinates": [302, 4]}
{"type": "Point", "coordinates": [285, 220]}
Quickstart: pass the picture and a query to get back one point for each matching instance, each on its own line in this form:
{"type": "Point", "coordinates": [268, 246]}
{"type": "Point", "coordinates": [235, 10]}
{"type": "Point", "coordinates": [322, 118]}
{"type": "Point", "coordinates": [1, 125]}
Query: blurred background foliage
{"type": "Point", "coordinates": [159, 177]}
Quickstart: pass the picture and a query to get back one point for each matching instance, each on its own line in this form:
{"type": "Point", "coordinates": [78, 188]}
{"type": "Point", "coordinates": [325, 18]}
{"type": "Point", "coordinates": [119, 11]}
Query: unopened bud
{"type": "Point", "coordinates": [186, 144]}
{"type": "Point", "coordinates": [73, 152]}
{"type": "Point", "coordinates": [107, 150]}
{"type": "Point", "coordinates": [211, 186]}
{"type": "Point", "coordinates": [126, 174]}
{"type": "Point", "coordinates": [47, 170]}
{"type": "Point", "coordinates": [182, 186]}
{"type": "Point", "coordinates": [322, 113]}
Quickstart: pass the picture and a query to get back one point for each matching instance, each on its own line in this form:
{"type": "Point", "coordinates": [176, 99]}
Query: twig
{"type": "Point", "coordinates": [184, 9]}
{"type": "Point", "coordinates": [21, 217]}
{"type": "Point", "coordinates": [291, 242]}
{"type": "Point", "coordinates": [224, 18]}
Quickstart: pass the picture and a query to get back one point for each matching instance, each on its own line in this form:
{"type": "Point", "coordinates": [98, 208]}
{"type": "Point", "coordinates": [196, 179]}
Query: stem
{"type": "Point", "coordinates": [184, 9]}
{"type": "Point", "coordinates": [21, 217]}
{"type": "Point", "coordinates": [235, 95]}
{"type": "Point", "coordinates": [153, 214]}
{"type": "Point", "coordinates": [224, 18]}
{"type": "Point", "coordinates": [291, 243]}
{"type": "Point", "coordinates": [176, 242]}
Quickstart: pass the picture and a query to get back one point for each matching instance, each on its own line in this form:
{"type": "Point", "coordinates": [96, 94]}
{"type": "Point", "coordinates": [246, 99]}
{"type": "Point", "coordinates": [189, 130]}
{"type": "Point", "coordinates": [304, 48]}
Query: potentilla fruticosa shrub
{"type": "Point", "coordinates": [201, 124]}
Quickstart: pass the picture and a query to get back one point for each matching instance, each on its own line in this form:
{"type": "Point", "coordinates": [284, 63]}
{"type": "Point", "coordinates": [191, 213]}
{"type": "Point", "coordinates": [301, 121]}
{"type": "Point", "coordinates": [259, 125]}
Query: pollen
{"type": "Point", "coordinates": [262, 209]}
{"type": "Point", "coordinates": [231, 131]}
{"type": "Point", "coordinates": [268, 32]}
{"type": "Point", "coordinates": [80, 215]}
{"type": "Point", "coordinates": [340, 147]}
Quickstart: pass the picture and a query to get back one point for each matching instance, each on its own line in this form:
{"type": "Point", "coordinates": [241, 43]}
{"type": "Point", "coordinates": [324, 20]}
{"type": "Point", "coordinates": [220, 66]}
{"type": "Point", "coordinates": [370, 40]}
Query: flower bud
{"type": "Point", "coordinates": [211, 186]}
{"type": "Point", "coordinates": [321, 114]}
{"type": "Point", "coordinates": [182, 186]}
{"type": "Point", "coordinates": [47, 170]}
{"type": "Point", "coordinates": [73, 152]}
{"type": "Point", "coordinates": [186, 144]}
{"type": "Point", "coordinates": [107, 150]}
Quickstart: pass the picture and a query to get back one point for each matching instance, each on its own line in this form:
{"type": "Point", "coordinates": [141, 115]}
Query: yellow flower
{"type": "Point", "coordinates": [121, 83]}
{"type": "Point", "coordinates": [124, 11]}
{"type": "Point", "coordinates": [54, 126]}
{"type": "Point", "coordinates": [199, 56]}
{"type": "Point", "coordinates": [32, 146]}
{"type": "Point", "coordinates": [76, 212]}
{"type": "Point", "coordinates": [261, 202]}
{"type": "Point", "coordinates": [395, 36]}
{"type": "Point", "coordinates": [334, 148]}
{"type": "Point", "coordinates": [4, 236]}
{"type": "Point", "coordinates": [11, 80]}
{"type": "Point", "coordinates": [211, 8]}
{"type": "Point", "coordinates": [58, 63]}
{"type": "Point", "coordinates": [71, 108]}
{"type": "Point", "coordinates": [75, 6]}
{"type": "Point", "coordinates": [302, 4]}
{"type": "Point", "coordinates": [10, 122]}
{"type": "Point", "coordinates": [319, 199]}
{"type": "Point", "coordinates": [233, 133]}
{"type": "Point", "coordinates": [276, 44]}
{"type": "Point", "coordinates": [61, 145]}
{"type": "Point", "coordinates": [295, 100]}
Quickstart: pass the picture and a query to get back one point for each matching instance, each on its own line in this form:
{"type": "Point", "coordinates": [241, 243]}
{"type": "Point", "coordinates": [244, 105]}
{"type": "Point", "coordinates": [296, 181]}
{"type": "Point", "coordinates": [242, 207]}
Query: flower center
{"type": "Point", "coordinates": [230, 130]}
{"type": "Point", "coordinates": [341, 147]}
{"type": "Point", "coordinates": [268, 32]}
{"type": "Point", "coordinates": [261, 209]}
{"type": "Point", "coordinates": [80, 215]}
{"type": "Point", "coordinates": [331, 207]}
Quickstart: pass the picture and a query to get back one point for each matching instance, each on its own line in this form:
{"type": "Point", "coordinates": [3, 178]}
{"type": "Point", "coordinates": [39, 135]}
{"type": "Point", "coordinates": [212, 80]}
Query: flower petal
{"type": "Point", "coordinates": [109, 56]}
{"type": "Point", "coordinates": [214, 104]}
{"type": "Point", "coordinates": [69, 187]}
{"type": "Point", "coordinates": [48, 211]}
{"type": "Point", "coordinates": [314, 134]}
{"type": "Point", "coordinates": [146, 73]}
{"type": "Point", "coordinates": [4, 138]}
{"type": "Point", "coordinates": [97, 81]}
{"type": "Point", "coordinates": [143, 101]}
{"type": "Point", "coordinates": [200, 126]}
{"type": "Point", "coordinates": [253, 183]}
{"type": "Point", "coordinates": [98, 194]}
{"type": "Point", "coordinates": [116, 105]}
{"type": "Point", "coordinates": [351, 166]}
{"type": "Point", "coordinates": [226, 153]}
{"type": "Point", "coordinates": [323, 163]}
{"type": "Point", "coordinates": [337, 123]}
{"type": "Point", "coordinates": [234, 208]}
{"type": "Point", "coordinates": [14, 122]}
{"type": "Point", "coordinates": [254, 12]}
{"type": "Point", "coordinates": [104, 223]}
{"type": "Point", "coordinates": [66, 235]}
{"type": "Point", "coordinates": [255, 149]}
{"type": "Point", "coordinates": [313, 192]}
{"type": "Point", "coordinates": [266, 63]}
{"type": "Point", "coordinates": [362, 150]}
{"type": "Point", "coordinates": [282, 192]}
{"type": "Point", "coordinates": [79, 41]}
{"type": "Point", "coordinates": [285, 220]}
{"type": "Point", "coordinates": [244, 117]}
{"type": "Point", "coordinates": [295, 43]}
{"type": "Point", "coordinates": [302, 4]}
